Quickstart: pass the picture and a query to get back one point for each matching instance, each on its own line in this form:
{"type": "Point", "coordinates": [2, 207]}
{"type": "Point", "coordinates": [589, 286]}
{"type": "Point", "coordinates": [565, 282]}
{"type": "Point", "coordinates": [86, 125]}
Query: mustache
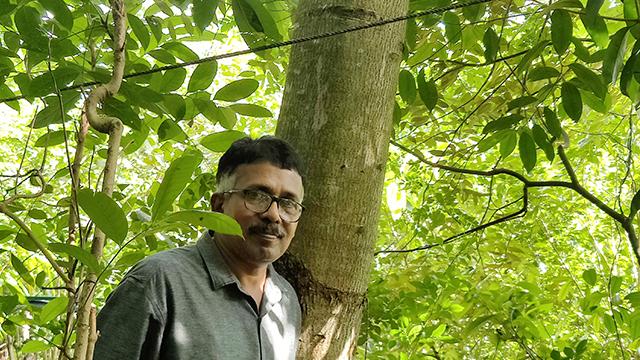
{"type": "Point", "coordinates": [270, 229]}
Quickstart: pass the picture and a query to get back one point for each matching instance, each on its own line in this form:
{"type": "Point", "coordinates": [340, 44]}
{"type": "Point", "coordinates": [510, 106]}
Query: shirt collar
{"type": "Point", "coordinates": [221, 275]}
{"type": "Point", "coordinates": [218, 270]}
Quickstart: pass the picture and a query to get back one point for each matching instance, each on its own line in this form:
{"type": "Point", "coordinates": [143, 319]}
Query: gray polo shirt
{"type": "Point", "coordinates": [185, 303]}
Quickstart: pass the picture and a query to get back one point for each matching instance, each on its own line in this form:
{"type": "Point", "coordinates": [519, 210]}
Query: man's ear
{"type": "Point", "coordinates": [217, 201]}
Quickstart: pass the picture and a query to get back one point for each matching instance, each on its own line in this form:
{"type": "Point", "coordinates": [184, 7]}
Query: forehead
{"type": "Point", "coordinates": [268, 177]}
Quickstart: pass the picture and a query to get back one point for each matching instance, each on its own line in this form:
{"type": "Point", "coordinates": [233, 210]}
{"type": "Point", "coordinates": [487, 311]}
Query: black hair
{"type": "Point", "coordinates": [265, 149]}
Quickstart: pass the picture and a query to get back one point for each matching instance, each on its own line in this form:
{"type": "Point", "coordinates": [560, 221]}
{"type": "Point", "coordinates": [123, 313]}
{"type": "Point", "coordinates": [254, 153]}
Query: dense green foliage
{"type": "Point", "coordinates": [496, 85]}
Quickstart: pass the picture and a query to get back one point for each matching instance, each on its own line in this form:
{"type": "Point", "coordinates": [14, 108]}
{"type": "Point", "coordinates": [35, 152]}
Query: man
{"type": "Point", "coordinates": [221, 298]}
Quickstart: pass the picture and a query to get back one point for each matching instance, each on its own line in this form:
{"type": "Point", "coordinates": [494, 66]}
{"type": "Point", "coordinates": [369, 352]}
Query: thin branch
{"type": "Point", "coordinates": [505, 218]}
{"type": "Point", "coordinates": [575, 185]}
{"type": "Point", "coordinates": [47, 254]}
{"type": "Point", "coordinates": [486, 63]}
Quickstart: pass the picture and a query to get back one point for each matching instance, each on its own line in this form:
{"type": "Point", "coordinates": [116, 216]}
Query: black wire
{"type": "Point", "coordinates": [281, 43]}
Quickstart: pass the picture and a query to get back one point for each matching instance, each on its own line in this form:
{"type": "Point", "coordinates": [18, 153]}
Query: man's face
{"type": "Point", "coordinates": [266, 236]}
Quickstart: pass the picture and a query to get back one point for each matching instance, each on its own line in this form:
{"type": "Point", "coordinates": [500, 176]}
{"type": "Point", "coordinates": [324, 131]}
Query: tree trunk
{"type": "Point", "coordinates": [337, 111]}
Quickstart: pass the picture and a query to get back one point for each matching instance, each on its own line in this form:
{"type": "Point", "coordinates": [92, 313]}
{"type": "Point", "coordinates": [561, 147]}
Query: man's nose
{"type": "Point", "coordinates": [272, 213]}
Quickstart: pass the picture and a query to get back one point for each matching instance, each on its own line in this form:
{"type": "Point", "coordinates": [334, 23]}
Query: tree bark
{"type": "Point", "coordinates": [337, 111]}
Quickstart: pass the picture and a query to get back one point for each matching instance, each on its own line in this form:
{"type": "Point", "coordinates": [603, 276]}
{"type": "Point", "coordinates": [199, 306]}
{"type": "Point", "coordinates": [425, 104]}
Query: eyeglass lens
{"type": "Point", "coordinates": [260, 202]}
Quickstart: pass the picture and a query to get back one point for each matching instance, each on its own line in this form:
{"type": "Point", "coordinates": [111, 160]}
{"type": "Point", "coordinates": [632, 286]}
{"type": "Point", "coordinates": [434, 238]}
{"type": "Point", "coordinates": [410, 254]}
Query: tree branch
{"type": "Point", "coordinates": [575, 185]}
{"type": "Point", "coordinates": [112, 126]}
{"type": "Point", "coordinates": [519, 213]}
{"type": "Point", "coordinates": [47, 254]}
{"type": "Point", "coordinates": [626, 222]}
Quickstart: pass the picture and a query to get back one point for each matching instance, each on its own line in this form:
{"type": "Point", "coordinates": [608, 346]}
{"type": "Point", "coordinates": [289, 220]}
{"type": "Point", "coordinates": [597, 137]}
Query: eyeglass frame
{"type": "Point", "coordinates": [274, 198]}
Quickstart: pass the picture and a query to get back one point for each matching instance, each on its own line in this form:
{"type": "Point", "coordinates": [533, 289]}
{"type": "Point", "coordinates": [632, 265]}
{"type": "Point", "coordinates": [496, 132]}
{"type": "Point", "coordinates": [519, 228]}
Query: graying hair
{"type": "Point", "coordinates": [227, 182]}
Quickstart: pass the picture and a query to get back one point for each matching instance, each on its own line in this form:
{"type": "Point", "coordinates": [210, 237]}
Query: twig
{"type": "Point", "coordinates": [47, 254]}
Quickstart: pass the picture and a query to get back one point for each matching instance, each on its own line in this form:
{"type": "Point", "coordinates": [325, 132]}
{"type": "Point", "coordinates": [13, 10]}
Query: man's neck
{"type": "Point", "coordinates": [252, 277]}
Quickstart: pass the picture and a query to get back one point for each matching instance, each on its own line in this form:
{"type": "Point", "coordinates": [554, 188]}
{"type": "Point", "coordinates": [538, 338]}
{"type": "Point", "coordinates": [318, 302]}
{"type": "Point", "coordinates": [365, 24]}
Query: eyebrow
{"type": "Point", "coordinates": [269, 190]}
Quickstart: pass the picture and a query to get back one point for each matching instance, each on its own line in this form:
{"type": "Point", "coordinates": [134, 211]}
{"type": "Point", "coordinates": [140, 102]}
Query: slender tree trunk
{"type": "Point", "coordinates": [337, 111]}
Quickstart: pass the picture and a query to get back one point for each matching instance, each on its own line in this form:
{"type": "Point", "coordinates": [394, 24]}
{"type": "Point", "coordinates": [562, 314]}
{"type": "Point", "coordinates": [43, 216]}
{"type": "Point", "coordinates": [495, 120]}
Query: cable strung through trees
{"type": "Point", "coordinates": [280, 44]}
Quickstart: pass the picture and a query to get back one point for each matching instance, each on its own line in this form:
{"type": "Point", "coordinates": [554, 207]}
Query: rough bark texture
{"type": "Point", "coordinates": [337, 111]}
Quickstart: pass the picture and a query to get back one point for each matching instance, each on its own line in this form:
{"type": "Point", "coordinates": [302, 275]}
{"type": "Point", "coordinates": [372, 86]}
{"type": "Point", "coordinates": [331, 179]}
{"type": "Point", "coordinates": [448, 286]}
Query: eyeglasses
{"type": "Point", "coordinates": [259, 201]}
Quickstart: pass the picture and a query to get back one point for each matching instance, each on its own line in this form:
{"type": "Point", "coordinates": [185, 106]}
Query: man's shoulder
{"type": "Point", "coordinates": [165, 262]}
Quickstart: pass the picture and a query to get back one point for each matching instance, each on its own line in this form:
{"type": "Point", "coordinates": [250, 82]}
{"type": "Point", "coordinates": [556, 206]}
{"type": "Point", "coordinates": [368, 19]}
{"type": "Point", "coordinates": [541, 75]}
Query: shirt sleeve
{"type": "Point", "coordinates": [129, 324]}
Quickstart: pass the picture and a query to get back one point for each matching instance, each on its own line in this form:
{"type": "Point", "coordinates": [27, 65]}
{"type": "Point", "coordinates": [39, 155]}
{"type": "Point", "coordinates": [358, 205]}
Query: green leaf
{"type": "Point", "coordinates": [44, 84]}
{"type": "Point", "coordinates": [452, 28]}
{"type": "Point", "coordinates": [590, 276]}
{"type": "Point", "coordinates": [635, 204]}
{"type": "Point", "coordinates": [561, 30]}
{"type": "Point", "coordinates": [38, 214]}
{"type": "Point", "coordinates": [204, 12]}
{"type": "Point", "coordinates": [170, 130]}
{"type": "Point", "coordinates": [52, 138]}
{"type": "Point", "coordinates": [439, 331]}
{"type": "Point", "coordinates": [61, 13]}
{"type": "Point", "coordinates": [410, 34]}
{"type": "Point", "coordinates": [614, 284]}
{"type": "Point", "coordinates": [175, 179]}
{"type": "Point", "coordinates": [634, 299]}
{"type": "Point", "coordinates": [27, 20]}
{"type": "Point", "coordinates": [565, 4]}
{"type": "Point", "coordinates": [25, 242]}
{"type": "Point", "coordinates": [237, 90]}
{"type": "Point", "coordinates": [252, 17]}
{"type": "Point", "coordinates": [250, 110]}
{"type": "Point", "coordinates": [491, 45]}
{"type": "Point", "coordinates": [172, 80]}
{"type": "Point", "coordinates": [215, 221]}
{"type": "Point", "coordinates": [614, 57]}
{"type": "Point", "coordinates": [123, 111]}
{"type": "Point", "coordinates": [163, 56]}
{"type": "Point", "coordinates": [202, 76]}
{"type": "Point", "coordinates": [221, 141]}
{"type": "Point", "coordinates": [105, 213]}
{"type": "Point", "coordinates": [571, 101]}
{"type": "Point", "coordinates": [489, 141]}
{"type": "Point", "coordinates": [552, 122]}
{"type": "Point", "coordinates": [533, 53]}
{"type": "Point", "coordinates": [53, 308]}
{"type": "Point", "coordinates": [508, 144]}
{"type": "Point", "coordinates": [175, 106]}
{"type": "Point", "coordinates": [504, 122]}
{"type": "Point", "coordinates": [630, 10]}
{"type": "Point", "coordinates": [580, 51]}
{"type": "Point", "coordinates": [542, 73]}
{"type": "Point", "coordinates": [407, 86]}
{"type": "Point", "coordinates": [33, 346]}
{"type": "Point", "coordinates": [228, 118]}
{"type": "Point", "coordinates": [527, 148]}
{"type": "Point", "coordinates": [627, 74]}
{"type": "Point", "coordinates": [474, 12]}
{"type": "Point", "coordinates": [541, 139]}
{"type": "Point", "coordinates": [181, 51]}
{"type": "Point", "coordinates": [594, 102]}
{"type": "Point", "coordinates": [521, 102]}
{"type": "Point", "coordinates": [139, 30]}
{"type": "Point", "coordinates": [592, 80]}
{"type": "Point", "coordinates": [6, 7]}
{"type": "Point", "coordinates": [597, 29]}
{"type": "Point", "coordinates": [21, 270]}
{"type": "Point", "coordinates": [428, 91]}
{"type": "Point", "coordinates": [78, 253]}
